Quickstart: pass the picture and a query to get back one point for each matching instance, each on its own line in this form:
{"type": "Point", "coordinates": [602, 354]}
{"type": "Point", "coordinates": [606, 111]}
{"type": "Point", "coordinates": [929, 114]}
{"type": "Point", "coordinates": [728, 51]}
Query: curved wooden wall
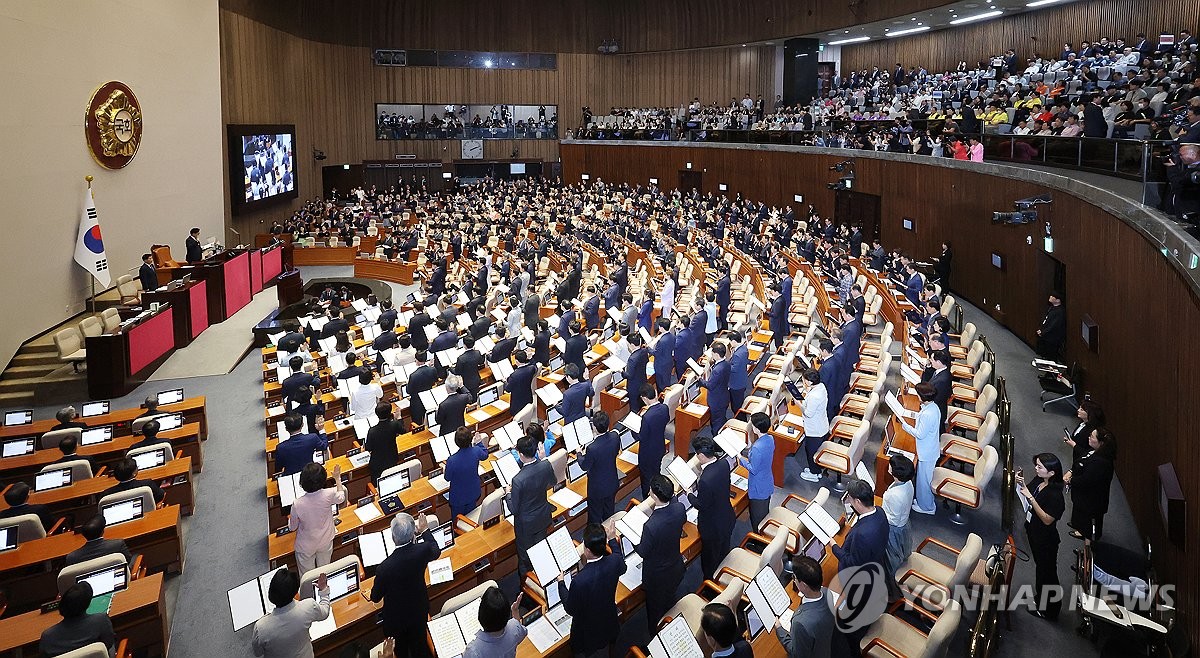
{"type": "Point", "coordinates": [1147, 367]}
{"type": "Point", "coordinates": [1036, 32]}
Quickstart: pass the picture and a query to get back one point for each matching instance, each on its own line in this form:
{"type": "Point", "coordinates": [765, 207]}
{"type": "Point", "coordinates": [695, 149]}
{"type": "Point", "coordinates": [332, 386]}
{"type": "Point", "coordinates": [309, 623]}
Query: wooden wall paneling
{"type": "Point", "coordinates": [1146, 371]}
{"type": "Point", "coordinates": [1036, 32]}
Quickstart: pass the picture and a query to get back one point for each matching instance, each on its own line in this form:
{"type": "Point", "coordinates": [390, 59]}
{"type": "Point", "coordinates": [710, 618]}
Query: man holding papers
{"type": "Point", "coordinates": [652, 436]}
{"type": "Point", "coordinates": [575, 399]}
{"type": "Point", "coordinates": [664, 355]}
{"type": "Point", "coordinates": [462, 471]}
{"type": "Point", "coordinates": [635, 371]}
{"type": "Point", "coordinates": [810, 633]}
{"type": "Point", "coordinates": [451, 412]}
{"type": "Point", "coordinates": [292, 453]}
{"type": "Point", "coordinates": [720, 631]}
{"type": "Point", "coordinates": [591, 600]}
{"type": "Point", "coordinates": [283, 632]}
{"type": "Point", "coordinates": [575, 346]}
{"type": "Point", "coordinates": [938, 376]}
{"type": "Point", "coordinates": [519, 384]}
{"type": "Point", "coordinates": [711, 500]}
{"type": "Point", "coordinates": [421, 380]}
{"type": "Point", "coordinates": [739, 370]}
{"type": "Point", "coordinates": [717, 383]}
{"type": "Point", "coordinates": [866, 543]}
{"type": "Point", "coordinates": [381, 441]}
{"type": "Point", "coordinates": [662, 564]}
{"type": "Point", "coordinates": [599, 460]}
{"type": "Point", "coordinates": [400, 584]}
{"type": "Point", "coordinates": [531, 510]}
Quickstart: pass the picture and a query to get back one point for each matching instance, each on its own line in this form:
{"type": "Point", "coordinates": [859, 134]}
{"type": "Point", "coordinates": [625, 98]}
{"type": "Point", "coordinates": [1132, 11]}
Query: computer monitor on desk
{"type": "Point", "coordinates": [106, 580]}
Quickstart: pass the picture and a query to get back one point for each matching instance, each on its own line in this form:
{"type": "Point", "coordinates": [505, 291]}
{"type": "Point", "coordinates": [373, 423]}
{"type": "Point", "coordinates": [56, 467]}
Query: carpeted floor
{"type": "Point", "coordinates": [221, 346]}
{"type": "Point", "coordinates": [226, 538]}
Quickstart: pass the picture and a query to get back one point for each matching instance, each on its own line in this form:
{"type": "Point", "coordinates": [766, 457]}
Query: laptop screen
{"type": "Point", "coordinates": [8, 538]}
{"type": "Point", "coordinates": [556, 363]}
{"type": "Point", "coordinates": [390, 484]}
{"type": "Point", "coordinates": [553, 415]}
{"type": "Point", "coordinates": [17, 448]}
{"type": "Point", "coordinates": [126, 510]}
{"type": "Point", "coordinates": [169, 421]}
{"type": "Point", "coordinates": [94, 408]}
{"type": "Point", "coordinates": [52, 479]}
{"type": "Point", "coordinates": [574, 471]}
{"type": "Point", "coordinates": [94, 435]}
{"type": "Point", "coordinates": [444, 535]}
{"type": "Point", "coordinates": [170, 397]}
{"type": "Point", "coordinates": [150, 459]}
{"type": "Point", "coordinates": [112, 579]}
{"type": "Point", "coordinates": [488, 395]}
{"type": "Point", "coordinates": [343, 582]}
{"type": "Point", "coordinates": [23, 417]}
{"type": "Point", "coordinates": [627, 439]}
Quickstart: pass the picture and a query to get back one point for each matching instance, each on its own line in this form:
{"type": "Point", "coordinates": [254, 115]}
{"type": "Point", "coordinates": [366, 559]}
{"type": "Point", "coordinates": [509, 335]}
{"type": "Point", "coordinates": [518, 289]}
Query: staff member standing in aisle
{"type": "Point", "coordinates": [1046, 505]}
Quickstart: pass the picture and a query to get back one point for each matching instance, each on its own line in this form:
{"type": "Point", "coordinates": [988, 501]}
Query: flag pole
{"type": "Point", "coordinates": [91, 279]}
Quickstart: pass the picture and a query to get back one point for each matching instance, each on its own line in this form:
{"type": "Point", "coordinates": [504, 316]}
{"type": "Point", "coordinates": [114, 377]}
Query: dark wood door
{"type": "Point", "coordinates": [857, 209]}
{"type": "Point", "coordinates": [691, 179]}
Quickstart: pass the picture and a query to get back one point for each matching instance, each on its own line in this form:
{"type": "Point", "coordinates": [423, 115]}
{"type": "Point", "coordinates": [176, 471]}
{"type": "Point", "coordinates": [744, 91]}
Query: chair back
{"type": "Point", "coordinates": [987, 429]}
{"type": "Point", "coordinates": [558, 460]}
{"type": "Point", "coordinates": [982, 376]}
{"type": "Point", "coordinates": [50, 440]}
{"type": "Point", "coordinates": [937, 643]}
{"type": "Point", "coordinates": [602, 381]}
{"type": "Point", "coordinates": [127, 286]}
{"type": "Point", "coordinates": [164, 445]}
{"type": "Point", "coordinates": [68, 341]}
{"type": "Point", "coordinates": [455, 602]}
{"type": "Point", "coordinates": [986, 400]}
{"type": "Point", "coordinates": [968, 334]}
{"type": "Point", "coordinates": [975, 354]}
{"type": "Point", "coordinates": [144, 493]}
{"type": "Point", "coordinates": [138, 423]}
{"type": "Point", "coordinates": [29, 527]}
{"type": "Point", "coordinates": [492, 505]}
{"type": "Point", "coordinates": [306, 581]}
{"type": "Point", "coordinates": [81, 469]}
{"type": "Point", "coordinates": [947, 305]}
{"type": "Point", "coordinates": [93, 650]}
{"type": "Point", "coordinates": [162, 257]}
{"type": "Point", "coordinates": [772, 555]}
{"type": "Point", "coordinates": [985, 468]}
{"type": "Point", "coordinates": [872, 406]}
{"type": "Point", "coordinates": [732, 594]}
{"type": "Point", "coordinates": [67, 576]}
{"type": "Point", "coordinates": [110, 318]}
{"type": "Point", "coordinates": [965, 563]}
{"type": "Point", "coordinates": [858, 443]}
{"type": "Point", "coordinates": [527, 414]}
{"type": "Point", "coordinates": [672, 397]}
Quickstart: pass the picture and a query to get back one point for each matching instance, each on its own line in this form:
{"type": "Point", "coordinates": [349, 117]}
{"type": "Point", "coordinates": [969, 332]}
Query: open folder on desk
{"type": "Point", "coordinates": [451, 633]}
{"type": "Point", "coordinates": [248, 601]}
{"type": "Point", "coordinates": [675, 640]}
{"type": "Point", "coordinates": [553, 556]}
{"type": "Point", "coordinates": [769, 599]}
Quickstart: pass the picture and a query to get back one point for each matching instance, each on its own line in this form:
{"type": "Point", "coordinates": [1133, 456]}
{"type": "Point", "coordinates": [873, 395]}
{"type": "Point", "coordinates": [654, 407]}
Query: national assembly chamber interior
{"type": "Point", "coordinates": [683, 329]}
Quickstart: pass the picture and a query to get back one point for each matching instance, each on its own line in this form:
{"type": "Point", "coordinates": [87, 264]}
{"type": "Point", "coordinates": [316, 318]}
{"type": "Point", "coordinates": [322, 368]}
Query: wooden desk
{"type": "Point", "coordinates": [83, 496]}
{"type": "Point", "coordinates": [190, 305]}
{"type": "Point", "coordinates": [895, 436]}
{"type": "Point", "coordinates": [228, 278]}
{"type": "Point", "coordinates": [384, 270]}
{"type": "Point", "coordinates": [324, 255]}
{"type": "Point", "coordinates": [687, 422]}
{"type": "Point", "coordinates": [121, 360]}
{"type": "Point", "coordinates": [30, 572]}
{"type": "Point", "coordinates": [185, 439]}
{"type": "Point", "coordinates": [193, 410]}
{"type": "Point", "coordinates": [138, 615]}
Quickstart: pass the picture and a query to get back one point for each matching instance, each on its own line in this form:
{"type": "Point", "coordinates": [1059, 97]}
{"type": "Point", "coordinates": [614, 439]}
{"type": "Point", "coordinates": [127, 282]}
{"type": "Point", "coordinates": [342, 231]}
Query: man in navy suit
{"type": "Point", "coordinates": [866, 543]}
{"type": "Point", "coordinates": [645, 313]}
{"type": "Point", "coordinates": [662, 563]}
{"type": "Point", "coordinates": [400, 584]}
{"type": "Point", "coordinates": [723, 298]}
{"type": "Point", "coordinates": [446, 337]}
{"type": "Point", "coordinates": [635, 371]}
{"type": "Point", "coordinates": [664, 355]}
{"type": "Point", "coordinates": [519, 384]}
{"type": "Point", "coordinates": [696, 328]}
{"type": "Point", "coordinates": [416, 326]}
{"type": "Point", "coordinates": [778, 318]}
{"type": "Point", "coordinates": [739, 370]}
{"type": "Point", "coordinates": [599, 460]}
{"type": "Point", "coordinates": [575, 399]}
{"type": "Point", "coordinates": [831, 376]}
{"type": "Point", "coordinates": [718, 386]}
{"type": "Point", "coordinates": [612, 296]}
{"type": "Point", "coordinates": [575, 346]}
{"type": "Point", "coordinates": [938, 375]}
{"type": "Point", "coordinates": [652, 436]}
{"type": "Point", "coordinates": [297, 380]}
{"type": "Point", "coordinates": [592, 598]}
{"type": "Point", "coordinates": [711, 500]}
{"type": "Point", "coordinates": [527, 499]}
{"type": "Point", "coordinates": [565, 320]}
{"type": "Point", "coordinates": [591, 309]}
{"type": "Point", "coordinates": [683, 348]}
{"type": "Point", "coordinates": [913, 284]}
{"type": "Point", "coordinates": [785, 283]}
{"type": "Point", "coordinates": [852, 329]}
{"type": "Point", "coordinates": [292, 455]}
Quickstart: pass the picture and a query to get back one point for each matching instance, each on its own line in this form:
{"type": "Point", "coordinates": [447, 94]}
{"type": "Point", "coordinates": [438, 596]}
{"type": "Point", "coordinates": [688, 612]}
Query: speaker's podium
{"type": "Point", "coordinates": [120, 360]}
{"type": "Point", "coordinates": [227, 279]}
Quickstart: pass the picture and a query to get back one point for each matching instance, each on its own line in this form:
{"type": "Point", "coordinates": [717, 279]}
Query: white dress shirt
{"type": "Point", "coordinates": [816, 423]}
{"type": "Point", "coordinates": [283, 632]}
{"type": "Point", "coordinates": [364, 399]}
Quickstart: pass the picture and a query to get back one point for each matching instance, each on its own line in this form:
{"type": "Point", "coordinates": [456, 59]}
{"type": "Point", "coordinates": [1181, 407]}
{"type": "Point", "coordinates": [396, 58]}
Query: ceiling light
{"type": "Point", "coordinates": [851, 40]}
{"type": "Point", "coordinates": [977, 17]}
{"type": "Point", "coordinates": [911, 30]}
{"type": "Point", "coordinates": [1039, 3]}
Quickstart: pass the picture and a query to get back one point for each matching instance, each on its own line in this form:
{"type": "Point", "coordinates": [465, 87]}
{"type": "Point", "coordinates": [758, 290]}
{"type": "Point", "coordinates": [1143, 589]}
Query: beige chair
{"type": "Point", "coordinates": [69, 342]}
{"type": "Point", "coordinates": [844, 427]}
{"type": "Point", "coordinates": [786, 518]}
{"type": "Point", "coordinates": [93, 650]}
{"type": "Point", "coordinates": [965, 339]}
{"type": "Point", "coordinates": [91, 326]}
{"type": "Point", "coordinates": [558, 460]}
{"type": "Point", "coordinates": [957, 448]}
{"type": "Point", "coordinates": [127, 287]}
{"type": "Point", "coordinates": [947, 305]}
{"type": "Point", "coordinates": [963, 489]}
{"type": "Point", "coordinates": [413, 466]}
{"type": "Point", "coordinates": [602, 381]}
{"type": "Point", "coordinates": [963, 395]}
{"type": "Point", "coordinates": [164, 445]}
{"type": "Point", "coordinates": [975, 355]}
{"type": "Point", "coordinates": [69, 575]}
{"type": "Point", "coordinates": [892, 637]}
{"type": "Point", "coordinates": [455, 602]}
{"type": "Point", "coordinates": [111, 319]}
{"type": "Point", "coordinates": [138, 423]}
{"type": "Point", "coordinates": [841, 459]}
{"type": "Point", "coordinates": [743, 563]}
{"type": "Point", "coordinates": [144, 493]}
{"type": "Point", "coordinates": [871, 313]}
{"type": "Point", "coordinates": [691, 606]}
{"type": "Point", "coordinates": [310, 577]}
{"type": "Point", "coordinates": [491, 507]}
{"type": "Point", "coordinates": [50, 440]}
{"type": "Point", "coordinates": [29, 527]}
{"type": "Point", "coordinates": [932, 581]}
{"type": "Point", "coordinates": [81, 469]}
{"type": "Point", "coordinates": [860, 381]}
{"type": "Point", "coordinates": [671, 397]}
{"type": "Point", "coordinates": [970, 421]}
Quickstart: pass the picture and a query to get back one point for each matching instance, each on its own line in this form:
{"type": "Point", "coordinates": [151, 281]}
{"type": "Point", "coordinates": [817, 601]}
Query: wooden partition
{"type": "Point", "coordinates": [1144, 369]}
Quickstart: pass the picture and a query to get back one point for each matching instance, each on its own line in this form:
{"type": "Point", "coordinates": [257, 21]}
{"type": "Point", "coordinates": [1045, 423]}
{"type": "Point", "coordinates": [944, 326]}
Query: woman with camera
{"type": "Point", "coordinates": [1090, 480]}
{"type": "Point", "coordinates": [1044, 504]}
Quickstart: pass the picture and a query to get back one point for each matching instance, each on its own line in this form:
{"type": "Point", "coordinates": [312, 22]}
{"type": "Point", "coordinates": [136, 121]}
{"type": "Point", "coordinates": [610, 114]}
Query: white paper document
{"type": "Point", "coordinates": [675, 640]}
{"type": "Point", "coordinates": [441, 571]}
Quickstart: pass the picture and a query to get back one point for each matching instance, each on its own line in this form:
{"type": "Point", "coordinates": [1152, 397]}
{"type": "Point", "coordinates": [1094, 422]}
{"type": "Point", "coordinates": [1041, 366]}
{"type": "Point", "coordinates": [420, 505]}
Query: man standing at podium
{"type": "Point", "coordinates": [195, 253]}
{"type": "Point", "coordinates": [147, 274]}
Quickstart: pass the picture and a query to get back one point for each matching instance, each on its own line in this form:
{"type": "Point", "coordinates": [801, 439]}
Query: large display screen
{"type": "Point", "coordinates": [262, 165]}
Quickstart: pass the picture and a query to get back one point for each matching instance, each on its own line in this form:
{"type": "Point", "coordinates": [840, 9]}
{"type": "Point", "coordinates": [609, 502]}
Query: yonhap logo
{"type": "Point", "coordinates": [863, 598]}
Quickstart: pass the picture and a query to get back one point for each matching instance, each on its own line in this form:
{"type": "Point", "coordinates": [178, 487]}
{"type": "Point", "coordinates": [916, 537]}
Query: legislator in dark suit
{"type": "Point", "coordinates": [664, 361]}
{"type": "Point", "coordinates": [335, 325]}
{"type": "Point", "coordinates": [148, 276]}
{"type": "Point", "coordinates": [600, 461]}
{"type": "Point", "coordinates": [99, 548]}
{"type": "Point", "coordinates": [683, 351]}
{"type": "Point", "coordinates": [778, 320]}
{"type": "Point", "coordinates": [293, 455]}
{"type": "Point", "coordinates": [635, 377]}
{"type": "Point", "coordinates": [531, 309]}
{"type": "Point", "coordinates": [832, 371]}
{"type": "Point", "coordinates": [662, 563]}
{"type": "Point", "coordinates": [400, 584]}
{"type": "Point", "coordinates": [519, 387]}
{"type": "Point", "coordinates": [942, 383]}
{"type": "Point", "coordinates": [194, 253]}
{"type": "Point", "coordinates": [422, 379]}
{"type": "Point", "coordinates": [718, 394]}
{"type": "Point", "coordinates": [652, 443]}
{"type": "Point", "coordinates": [469, 366]}
{"type": "Point", "coordinates": [294, 382]}
{"type": "Point", "coordinates": [530, 508]}
{"type": "Point", "coordinates": [716, 517]}
{"type": "Point", "coordinates": [592, 602]}
{"type": "Point", "coordinates": [451, 414]}
{"type": "Point", "coordinates": [591, 312]}
{"type": "Point", "coordinates": [574, 350]}
{"type": "Point", "coordinates": [541, 348]}
{"type": "Point", "coordinates": [866, 542]}
{"type": "Point", "coordinates": [574, 403]}
{"type": "Point", "coordinates": [416, 330]}
{"type": "Point", "coordinates": [381, 443]}
{"type": "Point", "coordinates": [502, 349]}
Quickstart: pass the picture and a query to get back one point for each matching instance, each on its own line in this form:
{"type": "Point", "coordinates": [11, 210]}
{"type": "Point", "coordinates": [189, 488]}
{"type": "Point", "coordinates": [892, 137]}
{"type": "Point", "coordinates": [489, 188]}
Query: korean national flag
{"type": "Point", "coordinates": [89, 247]}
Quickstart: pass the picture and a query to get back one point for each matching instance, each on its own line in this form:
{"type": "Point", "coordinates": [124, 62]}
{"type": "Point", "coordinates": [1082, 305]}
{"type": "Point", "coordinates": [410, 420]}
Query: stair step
{"type": "Point", "coordinates": [28, 372]}
{"type": "Point", "coordinates": [39, 348]}
{"type": "Point", "coordinates": [35, 359]}
{"type": "Point", "coordinates": [18, 399]}
{"type": "Point", "coordinates": [17, 385]}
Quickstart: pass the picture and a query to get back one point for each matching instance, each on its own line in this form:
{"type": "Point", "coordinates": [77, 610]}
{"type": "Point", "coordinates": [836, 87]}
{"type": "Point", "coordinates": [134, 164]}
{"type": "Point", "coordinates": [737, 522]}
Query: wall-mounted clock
{"type": "Point", "coordinates": [472, 149]}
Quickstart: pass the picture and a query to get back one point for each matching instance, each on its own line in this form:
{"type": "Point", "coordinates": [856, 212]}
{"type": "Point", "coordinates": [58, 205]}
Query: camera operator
{"type": "Point", "coordinates": [1183, 177]}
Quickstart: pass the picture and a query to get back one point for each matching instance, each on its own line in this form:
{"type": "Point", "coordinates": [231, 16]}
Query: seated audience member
{"type": "Point", "coordinates": [149, 406]}
{"type": "Point", "coordinates": [149, 435]}
{"type": "Point", "coordinates": [17, 499]}
{"type": "Point", "coordinates": [68, 447]}
{"type": "Point", "coordinates": [67, 418]}
{"type": "Point", "coordinates": [126, 472]}
{"type": "Point", "coordinates": [77, 628]}
{"type": "Point", "coordinates": [95, 545]}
